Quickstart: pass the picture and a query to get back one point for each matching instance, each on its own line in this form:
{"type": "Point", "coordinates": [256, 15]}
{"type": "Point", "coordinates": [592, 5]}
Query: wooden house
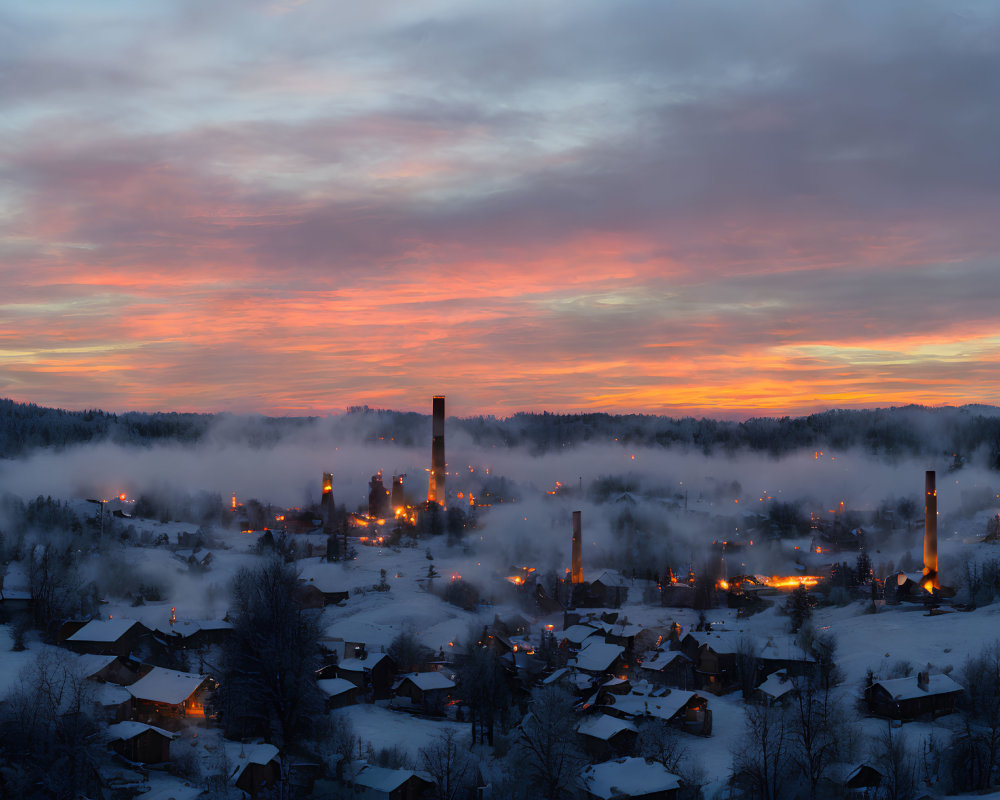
{"type": "Point", "coordinates": [381, 783]}
{"type": "Point", "coordinates": [606, 737]}
{"type": "Point", "coordinates": [372, 673]}
{"type": "Point", "coordinates": [918, 695]}
{"type": "Point", "coordinates": [193, 634]}
{"type": "Point", "coordinates": [633, 778]}
{"type": "Point", "coordinates": [597, 657]}
{"type": "Point", "coordinates": [609, 590]}
{"type": "Point", "coordinates": [257, 770]}
{"type": "Point", "coordinates": [321, 584]}
{"type": "Point", "coordinates": [338, 692]}
{"type": "Point", "coordinates": [116, 637]}
{"type": "Point", "coordinates": [668, 668]}
{"type": "Point", "coordinates": [427, 691]}
{"type": "Point", "coordinates": [168, 698]}
{"type": "Point", "coordinates": [139, 742]}
{"type": "Point", "coordinates": [687, 711]}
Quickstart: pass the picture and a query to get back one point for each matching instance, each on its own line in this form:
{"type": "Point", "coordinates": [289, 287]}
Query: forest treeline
{"type": "Point", "coordinates": [964, 433]}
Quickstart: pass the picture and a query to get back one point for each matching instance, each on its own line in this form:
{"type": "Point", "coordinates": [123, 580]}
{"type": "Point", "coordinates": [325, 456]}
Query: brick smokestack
{"type": "Point", "coordinates": [576, 576]}
{"type": "Point", "coordinates": [435, 485]}
{"type": "Point", "coordinates": [930, 532]}
{"type": "Point", "coordinates": [326, 503]}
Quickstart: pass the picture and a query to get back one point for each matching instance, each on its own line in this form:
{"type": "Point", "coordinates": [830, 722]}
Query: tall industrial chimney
{"type": "Point", "coordinates": [326, 503]}
{"type": "Point", "coordinates": [396, 498]}
{"type": "Point", "coordinates": [435, 485]}
{"type": "Point", "coordinates": [930, 532]}
{"type": "Point", "coordinates": [576, 576]}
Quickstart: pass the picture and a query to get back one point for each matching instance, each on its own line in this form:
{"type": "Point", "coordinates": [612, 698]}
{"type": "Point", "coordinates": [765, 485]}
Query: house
{"type": "Point", "coordinates": [321, 584]}
{"type": "Point", "coordinates": [370, 672]}
{"type": "Point", "coordinates": [854, 780]}
{"type": "Point", "coordinates": [599, 658]}
{"type": "Point", "coordinates": [257, 769]}
{"type": "Point", "coordinates": [380, 783]}
{"type": "Point", "coordinates": [918, 695]}
{"type": "Point", "coordinates": [116, 637]}
{"type": "Point", "coordinates": [427, 691]}
{"type": "Point", "coordinates": [629, 777]}
{"type": "Point", "coordinates": [106, 669]}
{"type": "Point", "coordinates": [140, 742]}
{"type": "Point", "coordinates": [668, 668]}
{"type": "Point", "coordinates": [193, 634]}
{"type": "Point", "coordinates": [777, 688]}
{"type": "Point", "coordinates": [114, 702]}
{"type": "Point", "coordinates": [609, 590]}
{"type": "Point", "coordinates": [338, 692]}
{"type": "Point", "coordinates": [168, 697]}
{"type": "Point", "coordinates": [687, 710]}
{"type": "Point", "coordinates": [605, 736]}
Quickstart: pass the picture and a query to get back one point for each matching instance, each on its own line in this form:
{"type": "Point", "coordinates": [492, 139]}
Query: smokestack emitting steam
{"type": "Point", "coordinates": [576, 576]}
{"type": "Point", "coordinates": [326, 503]}
{"type": "Point", "coordinates": [435, 484]}
{"type": "Point", "coordinates": [930, 532]}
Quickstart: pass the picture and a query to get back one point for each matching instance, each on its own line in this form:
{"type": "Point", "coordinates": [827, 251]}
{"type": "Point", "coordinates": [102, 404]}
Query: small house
{"type": "Point", "coordinates": [599, 658]}
{"type": "Point", "coordinates": [139, 742]}
{"type": "Point", "coordinates": [605, 736]}
{"type": "Point", "coordinates": [370, 672]}
{"type": "Point", "coordinates": [668, 668]}
{"type": "Point", "coordinates": [381, 783]}
{"type": "Point", "coordinates": [609, 590]}
{"type": "Point", "coordinates": [338, 692]}
{"type": "Point", "coordinates": [629, 778]}
{"type": "Point", "coordinates": [918, 695]}
{"type": "Point", "coordinates": [257, 769]}
{"type": "Point", "coordinates": [116, 637]}
{"type": "Point", "coordinates": [168, 697]}
{"type": "Point", "coordinates": [426, 691]}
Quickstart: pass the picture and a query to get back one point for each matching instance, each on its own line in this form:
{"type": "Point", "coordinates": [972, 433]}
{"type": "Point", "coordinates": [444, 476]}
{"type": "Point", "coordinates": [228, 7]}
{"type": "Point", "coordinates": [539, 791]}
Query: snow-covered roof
{"type": "Point", "coordinates": [103, 630]}
{"type": "Point", "coordinates": [166, 686]}
{"type": "Point", "coordinates": [908, 688]}
{"type": "Point", "coordinates": [777, 685]}
{"type": "Point", "coordinates": [382, 779]}
{"type": "Point", "coordinates": [555, 676]}
{"type": "Point", "coordinates": [122, 731]}
{"type": "Point", "coordinates": [598, 656]}
{"type": "Point", "coordinates": [660, 661]}
{"type": "Point", "coordinates": [610, 578]}
{"type": "Point", "coordinates": [111, 694]}
{"type": "Point", "coordinates": [167, 788]}
{"type": "Point", "coordinates": [260, 754]}
{"type": "Point", "coordinates": [326, 577]}
{"type": "Point", "coordinates": [663, 707]}
{"type": "Point", "coordinates": [189, 627]}
{"type": "Point", "coordinates": [90, 664]}
{"type": "Point", "coordinates": [428, 681]}
{"type": "Point", "coordinates": [576, 634]}
{"type": "Point", "coordinates": [604, 726]}
{"type": "Point", "coordinates": [629, 777]}
{"type": "Point", "coordinates": [335, 686]}
{"type": "Point", "coordinates": [361, 664]}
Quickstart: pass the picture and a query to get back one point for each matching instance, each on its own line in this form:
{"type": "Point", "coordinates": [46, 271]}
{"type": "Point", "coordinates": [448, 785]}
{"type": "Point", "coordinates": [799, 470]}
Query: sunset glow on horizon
{"type": "Point", "coordinates": [676, 208]}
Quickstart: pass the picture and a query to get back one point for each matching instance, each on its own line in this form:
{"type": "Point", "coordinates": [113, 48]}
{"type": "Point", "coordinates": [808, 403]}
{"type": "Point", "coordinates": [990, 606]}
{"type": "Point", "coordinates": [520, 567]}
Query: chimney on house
{"type": "Point", "coordinates": [923, 681]}
{"type": "Point", "coordinates": [576, 576]}
{"type": "Point", "coordinates": [326, 503]}
{"type": "Point", "coordinates": [435, 484]}
{"type": "Point", "coordinates": [930, 533]}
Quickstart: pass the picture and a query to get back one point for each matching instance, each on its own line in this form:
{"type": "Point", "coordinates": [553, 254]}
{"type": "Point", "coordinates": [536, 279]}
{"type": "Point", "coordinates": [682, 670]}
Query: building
{"type": "Point", "coordinates": [629, 777]}
{"type": "Point", "coordinates": [167, 697]}
{"type": "Point", "coordinates": [916, 696]}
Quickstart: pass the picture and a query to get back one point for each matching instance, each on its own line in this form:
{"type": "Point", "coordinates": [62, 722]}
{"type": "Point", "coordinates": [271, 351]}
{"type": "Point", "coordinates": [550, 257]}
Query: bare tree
{"type": "Point", "coordinates": [48, 745]}
{"type": "Point", "coordinates": [546, 748]}
{"type": "Point", "coordinates": [976, 747]}
{"type": "Point", "coordinates": [451, 766]}
{"type": "Point", "coordinates": [268, 682]}
{"type": "Point", "coordinates": [658, 741]}
{"type": "Point", "coordinates": [897, 765]}
{"type": "Point", "coordinates": [819, 731]}
{"type": "Point", "coordinates": [762, 762]}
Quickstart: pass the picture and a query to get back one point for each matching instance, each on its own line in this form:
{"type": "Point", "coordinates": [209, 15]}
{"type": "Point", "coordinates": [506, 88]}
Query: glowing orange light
{"type": "Point", "coordinates": [723, 585]}
{"type": "Point", "coordinates": [122, 497]}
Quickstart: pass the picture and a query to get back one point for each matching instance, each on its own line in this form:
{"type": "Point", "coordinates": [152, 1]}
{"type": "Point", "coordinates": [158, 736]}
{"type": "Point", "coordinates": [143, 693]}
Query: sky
{"type": "Point", "coordinates": [674, 207]}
